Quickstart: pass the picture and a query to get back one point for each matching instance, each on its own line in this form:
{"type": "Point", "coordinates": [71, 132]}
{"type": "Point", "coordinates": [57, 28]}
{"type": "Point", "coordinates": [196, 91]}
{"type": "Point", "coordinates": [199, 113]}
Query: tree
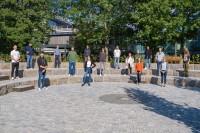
{"type": "Point", "coordinates": [23, 21]}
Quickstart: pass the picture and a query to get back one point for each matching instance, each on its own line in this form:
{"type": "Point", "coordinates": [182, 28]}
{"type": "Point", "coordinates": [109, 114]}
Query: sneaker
{"type": "Point", "coordinates": [164, 85]}
{"type": "Point", "coordinates": [39, 89]}
{"type": "Point", "coordinates": [145, 68]}
{"type": "Point", "coordinates": [12, 78]}
{"type": "Point", "coordinates": [45, 88]}
{"type": "Point", "coordinates": [118, 67]}
{"type": "Point", "coordinates": [124, 74]}
{"type": "Point", "coordinates": [105, 75]}
{"type": "Point", "coordinates": [100, 75]}
{"type": "Point", "coordinates": [88, 84]}
{"type": "Point", "coordinates": [82, 84]}
{"type": "Point", "coordinates": [17, 78]}
{"type": "Point", "coordinates": [75, 75]}
{"type": "Point", "coordinates": [69, 75]}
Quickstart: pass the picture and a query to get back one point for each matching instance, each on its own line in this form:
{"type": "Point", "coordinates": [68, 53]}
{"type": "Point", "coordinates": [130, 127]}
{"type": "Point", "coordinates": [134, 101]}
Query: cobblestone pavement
{"type": "Point", "coordinates": [102, 108]}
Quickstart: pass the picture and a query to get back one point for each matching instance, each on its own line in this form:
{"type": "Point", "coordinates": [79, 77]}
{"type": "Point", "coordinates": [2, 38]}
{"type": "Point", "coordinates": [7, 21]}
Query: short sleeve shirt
{"type": "Point", "coordinates": [15, 55]}
{"type": "Point", "coordinates": [160, 56]}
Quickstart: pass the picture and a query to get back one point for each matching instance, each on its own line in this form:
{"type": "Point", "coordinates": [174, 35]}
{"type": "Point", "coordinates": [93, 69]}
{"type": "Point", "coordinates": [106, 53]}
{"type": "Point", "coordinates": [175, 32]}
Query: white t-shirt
{"type": "Point", "coordinates": [15, 55]}
{"type": "Point", "coordinates": [160, 56]}
{"type": "Point", "coordinates": [88, 63]}
{"type": "Point", "coordinates": [130, 60]}
{"type": "Point", "coordinates": [164, 66]}
{"type": "Point", "coordinates": [117, 53]}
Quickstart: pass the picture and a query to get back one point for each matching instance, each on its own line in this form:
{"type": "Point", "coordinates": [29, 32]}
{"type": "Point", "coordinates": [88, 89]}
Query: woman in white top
{"type": "Point", "coordinates": [15, 57]}
{"type": "Point", "coordinates": [130, 63]}
{"type": "Point", "coordinates": [163, 71]}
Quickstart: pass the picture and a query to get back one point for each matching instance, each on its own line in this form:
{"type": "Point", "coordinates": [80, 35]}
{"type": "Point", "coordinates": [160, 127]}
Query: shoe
{"type": "Point", "coordinates": [124, 74]}
{"type": "Point", "coordinates": [17, 78]}
{"type": "Point", "coordinates": [82, 84]}
{"type": "Point", "coordinates": [164, 85]}
{"type": "Point", "coordinates": [45, 88]}
{"type": "Point", "coordinates": [145, 68]}
{"type": "Point", "coordinates": [69, 75]}
{"type": "Point", "coordinates": [105, 75]}
{"type": "Point", "coordinates": [12, 78]}
{"type": "Point", "coordinates": [88, 84]}
{"type": "Point", "coordinates": [75, 75]}
{"type": "Point", "coordinates": [118, 67]}
{"type": "Point", "coordinates": [100, 75]}
{"type": "Point", "coordinates": [39, 89]}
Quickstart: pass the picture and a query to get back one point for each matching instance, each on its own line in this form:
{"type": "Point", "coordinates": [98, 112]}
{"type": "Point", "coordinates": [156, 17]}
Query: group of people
{"type": "Point", "coordinates": [162, 65]}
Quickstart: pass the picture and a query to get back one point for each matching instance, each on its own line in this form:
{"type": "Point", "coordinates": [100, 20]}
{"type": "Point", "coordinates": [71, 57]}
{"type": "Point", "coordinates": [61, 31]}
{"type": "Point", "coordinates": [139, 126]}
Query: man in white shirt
{"type": "Point", "coordinates": [15, 57]}
{"type": "Point", "coordinates": [159, 59]}
{"type": "Point", "coordinates": [117, 54]}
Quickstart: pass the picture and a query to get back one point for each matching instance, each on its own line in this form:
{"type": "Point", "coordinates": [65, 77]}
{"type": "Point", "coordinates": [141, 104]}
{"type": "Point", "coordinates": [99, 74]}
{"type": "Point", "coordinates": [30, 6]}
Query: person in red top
{"type": "Point", "coordinates": [138, 69]}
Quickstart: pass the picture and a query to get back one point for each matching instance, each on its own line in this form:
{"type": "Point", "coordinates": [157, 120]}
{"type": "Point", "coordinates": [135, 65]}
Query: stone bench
{"type": "Point", "coordinates": [4, 77]}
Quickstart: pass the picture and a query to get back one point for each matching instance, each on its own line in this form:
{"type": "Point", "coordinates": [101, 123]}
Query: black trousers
{"type": "Point", "coordinates": [15, 66]}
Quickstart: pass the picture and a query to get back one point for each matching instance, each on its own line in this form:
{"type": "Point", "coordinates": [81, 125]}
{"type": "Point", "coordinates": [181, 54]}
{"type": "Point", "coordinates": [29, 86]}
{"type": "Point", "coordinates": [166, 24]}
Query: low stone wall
{"type": "Point", "coordinates": [108, 65]}
{"type": "Point", "coordinates": [7, 87]}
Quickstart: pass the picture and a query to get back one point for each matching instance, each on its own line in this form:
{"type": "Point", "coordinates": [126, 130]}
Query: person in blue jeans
{"type": "Point", "coordinates": [117, 54]}
{"type": "Point", "coordinates": [42, 65]}
{"type": "Point", "coordinates": [159, 59]}
{"type": "Point", "coordinates": [88, 71]}
{"type": "Point", "coordinates": [72, 62]}
{"type": "Point", "coordinates": [163, 71]}
{"type": "Point", "coordinates": [29, 50]}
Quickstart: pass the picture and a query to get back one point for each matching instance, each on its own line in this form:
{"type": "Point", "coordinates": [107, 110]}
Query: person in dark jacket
{"type": "Point", "coordinates": [87, 52]}
{"type": "Point", "coordinates": [29, 50]}
{"type": "Point", "coordinates": [102, 60]}
{"type": "Point", "coordinates": [89, 64]}
{"type": "Point", "coordinates": [42, 66]}
{"type": "Point", "coordinates": [148, 54]}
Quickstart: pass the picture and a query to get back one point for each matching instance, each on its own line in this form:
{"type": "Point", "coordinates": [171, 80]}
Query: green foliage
{"type": "Point", "coordinates": [24, 21]}
{"type": "Point", "coordinates": [49, 58]}
{"type": "Point", "coordinates": [79, 58]}
{"type": "Point", "coordinates": [196, 59]}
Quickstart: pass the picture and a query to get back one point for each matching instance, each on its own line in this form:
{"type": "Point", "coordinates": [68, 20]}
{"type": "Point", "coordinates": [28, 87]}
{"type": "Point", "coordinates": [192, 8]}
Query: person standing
{"type": "Point", "coordinates": [29, 50]}
{"type": "Point", "coordinates": [87, 52]}
{"type": "Point", "coordinates": [72, 62]}
{"type": "Point", "coordinates": [15, 57]}
{"type": "Point", "coordinates": [138, 69]}
{"type": "Point", "coordinates": [57, 57]}
{"type": "Point", "coordinates": [89, 64]}
{"type": "Point", "coordinates": [159, 59]}
{"type": "Point", "coordinates": [42, 67]}
{"type": "Point", "coordinates": [117, 54]}
{"type": "Point", "coordinates": [164, 70]}
{"type": "Point", "coordinates": [102, 60]}
{"type": "Point", "coordinates": [129, 63]}
{"type": "Point", "coordinates": [186, 61]}
{"type": "Point", "coordinates": [148, 54]}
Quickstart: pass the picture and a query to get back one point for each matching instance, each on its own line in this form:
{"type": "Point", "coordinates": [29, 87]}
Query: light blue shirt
{"type": "Point", "coordinates": [57, 51]}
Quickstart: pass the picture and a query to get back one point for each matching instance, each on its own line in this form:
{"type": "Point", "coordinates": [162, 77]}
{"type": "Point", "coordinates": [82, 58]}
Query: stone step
{"type": "Point", "coordinates": [8, 85]}
{"type": "Point", "coordinates": [4, 77]}
{"type": "Point", "coordinates": [22, 88]}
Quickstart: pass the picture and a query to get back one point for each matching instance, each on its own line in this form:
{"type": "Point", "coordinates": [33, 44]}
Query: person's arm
{"type": "Point", "coordinates": [188, 59]}
{"type": "Point", "coordinates": [11, 56]}
{"type": "Point", "coordinates": [167, 67]}
{"type": "Point", "coordinates": [85, 65]}
{"type": "Point", "coordinates": [93, 65]}
{"type": "Point", "coordinates": [18, 57]}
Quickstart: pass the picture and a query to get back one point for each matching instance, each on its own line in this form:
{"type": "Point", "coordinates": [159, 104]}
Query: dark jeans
{"type": "Point", "coordinates": [72, 68]}
{"type": "Point", "coordinates": [163, 77]}
{"type": "Point", "coordinates": [129, 69]}
{"type": "Point", "coordinates": [57, 61]}
{"type": "Point", "coordinates": [159, 63]}
{"type": "Point", "coordinates": [41, 78]}
{"type": "Point", "coordinates": [88, 73]}
{"type": "Point", "coordinates": [139, 77]}
{"type": "Point", "coordinates": [15, 66]}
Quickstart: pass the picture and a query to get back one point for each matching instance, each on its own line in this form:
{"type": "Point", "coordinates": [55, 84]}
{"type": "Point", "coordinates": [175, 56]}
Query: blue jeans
{"type": "Point", "coordinates": [72, 68]}
{"type": "Point", "coordinates": [88, 73]}
{"type": "Point", "coordinates": [57, 61]}
{"type": "Point", "coordinates": [139, 77]}
{"type": "Point", "coordinates": [41, 78]}
{"type": "Point", "coordinates": [116, 62]}
{"type": "Point", "coordinates": [148, 63]}
{"type": "Point", "coordinates": [158, 66]}
{"type": "Point", "coordinates": [29, 61]}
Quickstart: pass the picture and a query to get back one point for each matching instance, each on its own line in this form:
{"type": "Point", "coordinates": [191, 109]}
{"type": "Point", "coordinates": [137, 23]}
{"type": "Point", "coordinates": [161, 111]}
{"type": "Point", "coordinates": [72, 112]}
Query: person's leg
{"type": "Point", "coordinates": [146, 63]}
{"type": "Point", "coordinates": [12, 69]}
{"type": "Point", "coordinates": [55, 61]}
{"type": "Point", "coordinates": [165, 78]}
{"type": "Point", "coordinates": [59, 61]}
{"type": "Point", "coordinates": [118, 58]}
{"type": "Point", "coordinates": [28, 61]}
{"type": "Point", "coordinates": [139, 77]}
{"type": "Point", "coordinates": [39, 78]}
{"type": "Point", "coordinates": [187, 68]}
{"type": "Point", "coordinates": [70, 67]}
{"type": "Point", "coordinates": [31, 61]}
{"type": "Point", "coordinates": [100, 68]}
{"type": "Point", "coordinates": [89, 72]}
{"type": "Point", "coordinates": [17, 69]}
{"type": "Point", "coordinates": [104, 68]}
{"type": "Point", "coordinates": [43, 79]}
{"type": "Point", "coordinates": [115, 62]}
{"type": "Point", "coordinates": [74, 68]}
{"type": "Point", "coordinates": [149, 60]}
{"type": "Point", "coordinates": [161, 77]}
{"type": "Point", "coordinates": [157, 68]}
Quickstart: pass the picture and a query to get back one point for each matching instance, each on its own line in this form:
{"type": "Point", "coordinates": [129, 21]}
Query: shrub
{"type": "Point", "coordinates": [173, 59]}
{"type": "Point", "coordinates": [195, 59]}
